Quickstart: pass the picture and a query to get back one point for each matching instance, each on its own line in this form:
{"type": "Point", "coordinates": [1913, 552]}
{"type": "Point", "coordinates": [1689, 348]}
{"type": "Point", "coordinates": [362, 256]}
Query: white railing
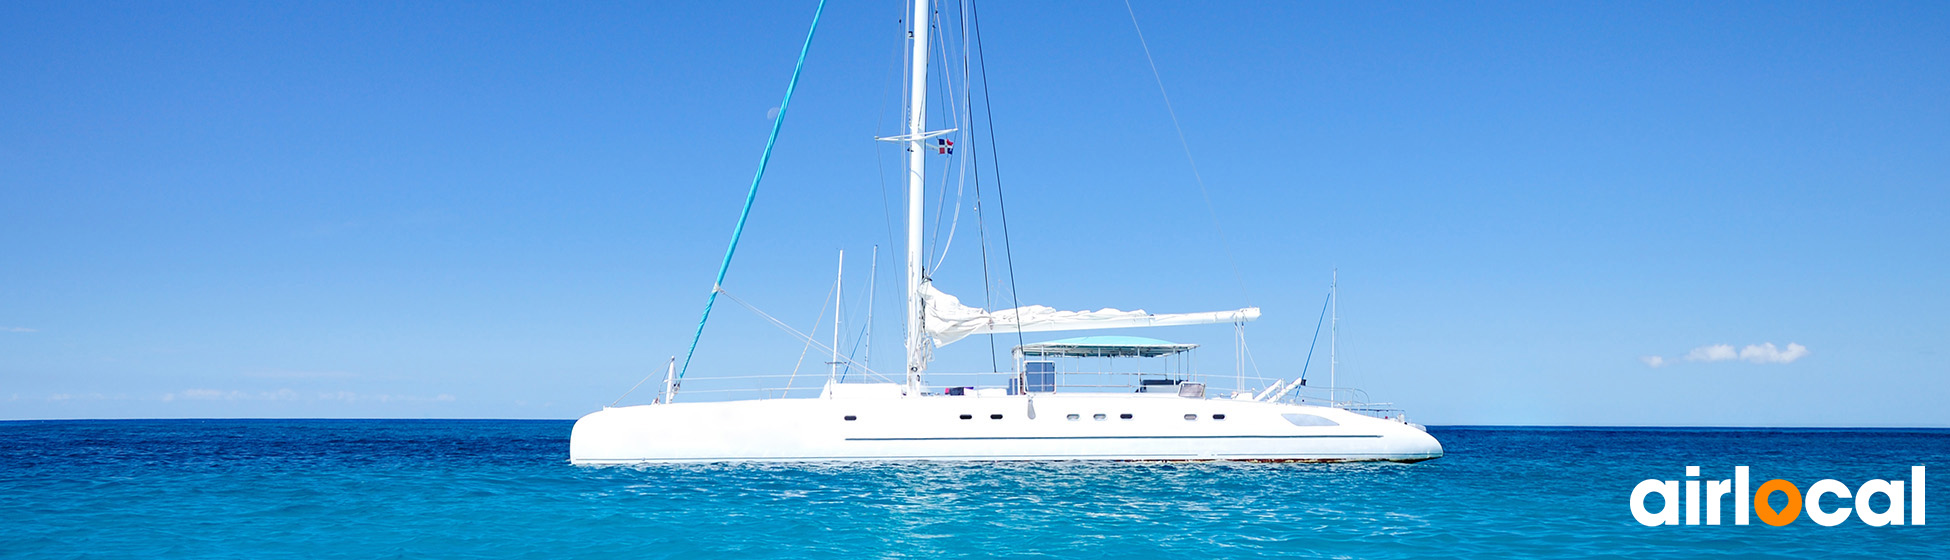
{"type": "Point", "coordinates": [737, 387]}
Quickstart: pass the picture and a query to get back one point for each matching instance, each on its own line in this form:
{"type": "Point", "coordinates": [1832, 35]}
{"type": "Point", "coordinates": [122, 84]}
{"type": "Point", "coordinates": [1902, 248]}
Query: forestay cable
{"type": "Point", "coordinates": [752, 194]}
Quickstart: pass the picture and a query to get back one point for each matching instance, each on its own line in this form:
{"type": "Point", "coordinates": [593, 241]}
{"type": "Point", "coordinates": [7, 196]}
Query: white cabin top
{"type": "Point", "coordinates": [1103, 347]}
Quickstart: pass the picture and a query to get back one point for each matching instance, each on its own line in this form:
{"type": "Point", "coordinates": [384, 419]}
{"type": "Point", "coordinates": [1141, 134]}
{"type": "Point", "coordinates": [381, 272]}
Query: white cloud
{"type": "Point", "coordinates": [1763, 353]}
{"type": "Point", "coordinates": [286, 395]}
{"type": "Point", "coordinates": [215, 395]}
{"type": "Point", "coordinates": [349, 396]}
{"type": "Point", "coordinates": [18, 329]}
{"type": "Point", "coordinates": [1766, 353]}
{"type": "Point", "coordinates": [64, 397]}
{"type": "Point", "coordinates": [1712, 353]}
{"type": "Point", "coordinates": [290, 374]}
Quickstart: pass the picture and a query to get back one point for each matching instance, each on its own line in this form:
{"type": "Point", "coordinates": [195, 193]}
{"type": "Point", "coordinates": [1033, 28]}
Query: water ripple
{"type": "Point", "coordinates": [366, 489]}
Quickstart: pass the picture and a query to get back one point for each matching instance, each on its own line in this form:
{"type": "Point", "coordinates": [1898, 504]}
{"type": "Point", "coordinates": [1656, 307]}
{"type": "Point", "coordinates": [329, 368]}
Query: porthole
{"type": "Point", "coordinates": [967, 416]}
{"type": "Point", "coordinates": [1098, 417]}
{"type": "Point", "coordinates": [995, 417]}
{"type": "Point", "coordinates": [1126, 416]}
{"type": "Point", "coordinates": [1074, 417]}
{"type": "Point", "coordinates": [851, 418]}
{"type": "Point", "coordinates": [1218, 417]}
{"type": "Point", "coordinates": [1191, 417]}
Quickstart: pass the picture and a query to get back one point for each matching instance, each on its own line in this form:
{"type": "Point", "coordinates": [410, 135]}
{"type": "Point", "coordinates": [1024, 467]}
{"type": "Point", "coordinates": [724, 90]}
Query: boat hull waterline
{"type": "Point", "coordinates": [1052, 427]}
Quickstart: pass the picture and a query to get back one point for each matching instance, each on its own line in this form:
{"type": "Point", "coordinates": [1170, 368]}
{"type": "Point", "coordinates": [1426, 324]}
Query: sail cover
{"type": "Point", "coordinates": [947, 320]}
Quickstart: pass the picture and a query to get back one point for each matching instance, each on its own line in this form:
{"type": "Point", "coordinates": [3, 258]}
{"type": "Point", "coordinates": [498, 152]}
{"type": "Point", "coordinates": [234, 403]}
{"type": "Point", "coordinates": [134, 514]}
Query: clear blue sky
{"type": "Point", "coordinates": [514, 210]}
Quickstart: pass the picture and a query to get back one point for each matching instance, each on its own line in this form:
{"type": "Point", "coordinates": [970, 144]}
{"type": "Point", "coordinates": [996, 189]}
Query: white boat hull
{"type": "Point", "coordinates": [992, 428]}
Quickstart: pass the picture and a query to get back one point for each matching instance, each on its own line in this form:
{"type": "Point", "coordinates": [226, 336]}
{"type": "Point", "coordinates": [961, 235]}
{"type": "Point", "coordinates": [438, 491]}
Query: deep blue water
{"type": "Point", "coordinates": [503, 489]}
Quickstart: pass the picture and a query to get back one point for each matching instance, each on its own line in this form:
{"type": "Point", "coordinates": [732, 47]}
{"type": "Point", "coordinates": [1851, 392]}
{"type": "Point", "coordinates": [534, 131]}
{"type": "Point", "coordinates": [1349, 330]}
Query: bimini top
{"type": "Point", "coordinates": [1104, 347]}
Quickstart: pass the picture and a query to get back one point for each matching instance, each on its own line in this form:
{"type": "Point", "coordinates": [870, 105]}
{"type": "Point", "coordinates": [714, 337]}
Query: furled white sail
{"type": "Point", "coordinates": [947, 320]}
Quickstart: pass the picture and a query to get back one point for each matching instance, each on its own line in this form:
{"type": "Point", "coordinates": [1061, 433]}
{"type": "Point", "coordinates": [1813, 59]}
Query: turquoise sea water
{"type": "Point", "coordinates": [503, 489]}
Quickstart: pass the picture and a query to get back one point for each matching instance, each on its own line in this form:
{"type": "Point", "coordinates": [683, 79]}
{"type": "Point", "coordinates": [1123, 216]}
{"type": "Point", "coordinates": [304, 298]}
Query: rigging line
{"type": "Point", "coordinates": [944, 94]}
{"type": "Point", "coordinates": [751, 195]}
{"type": "Point", "coordinates": [940, 201]}
{"type": "Point", "coordinates": [880, 165]}
{"type": "Point", "coordinates": [815, 332]}
{"type": "Point", "coordinates": [988, 289]}
{"type": "Point", "coordinates": [995, 163]}
{"type": "Point", "coordinates": [639, 383]}
{"type": "Point", "coordinates": [1316, 341]}
{"type": "Point", "coordinates": [1209, 208]}
{"type": "Point", "coordinates": [866, 326]}
{"type": "Point", "coordinates": [975, 157]}
{"type": "Point", "coordinates": [1243, 345]}
{"type": "Point", "coordinates": [873, 278]}
{"type": "Point", "coordinates": [959, 164]}
{"type": "Point", "coordinates": [795, 332]}
{"type": "Point", "coordinates": [846, 366]}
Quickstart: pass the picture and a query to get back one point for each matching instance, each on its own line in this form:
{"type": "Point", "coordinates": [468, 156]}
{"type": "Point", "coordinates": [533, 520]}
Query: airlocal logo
{"type": "Point", "coordinates": [1717, 490]}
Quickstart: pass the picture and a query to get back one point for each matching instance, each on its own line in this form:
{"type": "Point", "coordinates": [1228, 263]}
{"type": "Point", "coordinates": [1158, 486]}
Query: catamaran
{"type": "Point", "coordinates": [1065, 399]}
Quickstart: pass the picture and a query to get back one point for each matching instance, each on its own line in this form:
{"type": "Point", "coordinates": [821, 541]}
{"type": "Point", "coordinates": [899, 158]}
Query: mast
{"type": "Point", "coordinates": [917, 106]}
{"type": "Point", "coordinates": [873, 273]}
{"type": "Point", "coordinates": [839, 276]}
{"type": "Point", "coordinates": [1334, 335]}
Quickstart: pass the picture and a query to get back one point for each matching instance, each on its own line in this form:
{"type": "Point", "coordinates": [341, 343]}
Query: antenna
{"type": "Point", "coordinates": [1334, 337]}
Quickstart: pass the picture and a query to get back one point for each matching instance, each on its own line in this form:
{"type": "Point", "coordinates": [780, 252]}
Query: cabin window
{"type": "Point", "coordinates": [1308, 420]}
{"type": "Point", "coordinates": [1099, 417]}
{"type": "Point", "coordinates": [967, 416]}
{"type": "Point", "coordinates": [851, 418]}
{"type": "Point", "coordinates": [1126, 416]}
{"type": "Point", "coordinates": [1218, 417]}
{"type": "Point", "coordinates": [995, 417]}
{"type": "Point", "coordinates": [1191, 390]}
{"type": "Point", "coordinates": [1191, 417]}
{"type": "Point", "coordinates": [1074, 417]}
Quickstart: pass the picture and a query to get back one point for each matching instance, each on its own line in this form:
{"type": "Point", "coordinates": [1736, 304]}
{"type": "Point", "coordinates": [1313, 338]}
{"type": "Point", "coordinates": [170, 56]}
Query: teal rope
{"type": "Point", "coordinates": [752, 194]}
{"type": "Point", "coordinates": [1310, 346]}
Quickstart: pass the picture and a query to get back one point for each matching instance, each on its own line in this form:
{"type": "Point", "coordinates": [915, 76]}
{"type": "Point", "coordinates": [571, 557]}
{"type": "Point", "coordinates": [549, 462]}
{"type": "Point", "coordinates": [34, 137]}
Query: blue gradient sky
{"type": "Point", "coordinates": [515, 210]}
